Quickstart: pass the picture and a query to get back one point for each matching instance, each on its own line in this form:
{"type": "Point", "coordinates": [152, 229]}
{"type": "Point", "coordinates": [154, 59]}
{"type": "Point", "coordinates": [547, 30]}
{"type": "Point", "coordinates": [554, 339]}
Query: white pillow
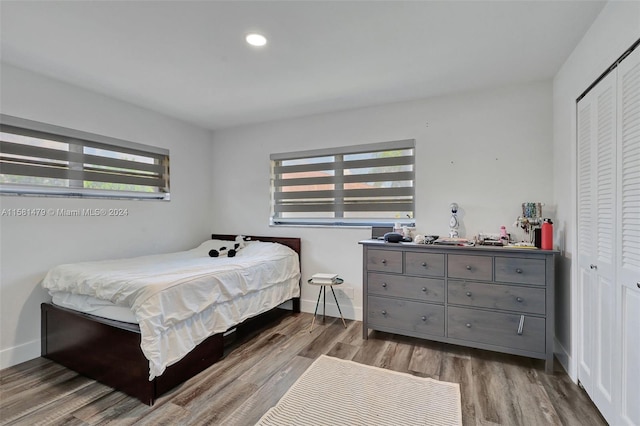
{"type": "Point", "coordinates": [259, 248]}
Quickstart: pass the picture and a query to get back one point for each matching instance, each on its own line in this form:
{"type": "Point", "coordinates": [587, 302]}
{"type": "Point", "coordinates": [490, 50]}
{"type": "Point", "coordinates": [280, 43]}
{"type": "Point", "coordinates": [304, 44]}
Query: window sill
{"type": "Point", "coordinates": [302, 225]}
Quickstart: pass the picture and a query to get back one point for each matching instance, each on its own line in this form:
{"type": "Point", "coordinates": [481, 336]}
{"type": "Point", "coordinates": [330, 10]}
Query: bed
{"type": "Point", "coordinates": [115, 351]}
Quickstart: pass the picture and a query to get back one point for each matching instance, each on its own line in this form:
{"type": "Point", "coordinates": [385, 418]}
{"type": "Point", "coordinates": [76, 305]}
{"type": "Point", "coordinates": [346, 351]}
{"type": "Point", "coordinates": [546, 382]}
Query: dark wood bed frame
{"type": "Point", "coordinates": [109, 351]}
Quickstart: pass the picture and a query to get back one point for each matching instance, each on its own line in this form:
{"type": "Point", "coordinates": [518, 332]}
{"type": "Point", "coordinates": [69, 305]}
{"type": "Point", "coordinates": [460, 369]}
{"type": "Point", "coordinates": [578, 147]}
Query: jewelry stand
{"type": "Point", "coordinates": [530, 220]}
{"type": "Point", "coordinates": [453, 222]}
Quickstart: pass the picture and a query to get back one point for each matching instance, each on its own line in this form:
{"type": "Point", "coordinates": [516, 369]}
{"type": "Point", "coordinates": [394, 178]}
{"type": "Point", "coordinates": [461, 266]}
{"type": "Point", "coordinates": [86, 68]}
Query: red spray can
{"type": "Point", "coordinates": [547, 235]}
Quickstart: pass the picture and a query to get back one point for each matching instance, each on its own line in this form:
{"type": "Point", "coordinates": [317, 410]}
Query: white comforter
{"type": "Point", "coordinates": [180, 299]}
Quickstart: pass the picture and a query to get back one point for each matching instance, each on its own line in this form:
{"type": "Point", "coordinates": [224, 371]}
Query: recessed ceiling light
{"type": "Point", "coordinates": [256, 39]}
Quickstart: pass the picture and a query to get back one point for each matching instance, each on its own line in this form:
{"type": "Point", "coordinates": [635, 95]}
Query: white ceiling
{"type": "Point", "coordinates": [188, 59]}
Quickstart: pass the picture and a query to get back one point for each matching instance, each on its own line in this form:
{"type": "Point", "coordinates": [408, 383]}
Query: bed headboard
{"type": "Point", "coordinates": [293, 243]}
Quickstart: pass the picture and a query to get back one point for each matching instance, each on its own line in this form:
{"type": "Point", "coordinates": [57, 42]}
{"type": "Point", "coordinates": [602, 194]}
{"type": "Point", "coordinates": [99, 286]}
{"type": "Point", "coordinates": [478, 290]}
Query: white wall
{"type": "Point", "coordinates": [489, 151]}
{"type": "Point", "coordinates": [615, 30]}
{"type": "Point", "coordinates": [31, 245]}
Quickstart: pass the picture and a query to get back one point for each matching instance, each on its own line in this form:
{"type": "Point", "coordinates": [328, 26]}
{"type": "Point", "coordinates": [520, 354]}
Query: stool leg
{"type": "Point", "coordinates": [324, 304]}
{"type": "Point", "coordinates": [316, 311]}
{"type": "Point", "coordinates": [339, 310]}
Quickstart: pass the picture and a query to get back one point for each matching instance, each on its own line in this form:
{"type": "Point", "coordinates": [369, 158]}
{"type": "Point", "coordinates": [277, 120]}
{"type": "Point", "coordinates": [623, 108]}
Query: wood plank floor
{"type": "Point", "coordinates": [496, 389]}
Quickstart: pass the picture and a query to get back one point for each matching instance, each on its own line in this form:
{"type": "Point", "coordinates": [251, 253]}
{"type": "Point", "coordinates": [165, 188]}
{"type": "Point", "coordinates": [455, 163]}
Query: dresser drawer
{"type": "Point", "coordinates": [496, 328]}
{"type": "Point", "coordinates": [420, 289]}
{"type": "Point", "coordinates": [470, 267]}
{"type": "Point", "coordinates": [521, 271]}
{"type": "Point", "coordinates": [384, 260]}
{"type": "Point", "coordinates": [497, 296]}
{"type": "Point", "coordinates": [424, 264]}
{"type": "Point", "coordinates": [405, 316]}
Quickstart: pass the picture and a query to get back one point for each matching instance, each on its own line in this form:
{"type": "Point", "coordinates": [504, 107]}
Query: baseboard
{"type": "Point", "coordinates": [564, 357]}
{"type": "Point", "coordinates": [19, 354]}
{"type": "Point", "coordinates": [348, 311]}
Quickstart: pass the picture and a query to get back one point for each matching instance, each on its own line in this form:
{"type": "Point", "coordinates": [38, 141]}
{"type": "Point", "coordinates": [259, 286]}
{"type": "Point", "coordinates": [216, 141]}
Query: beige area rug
{"type": "Point", "coordinates": [336, 392]}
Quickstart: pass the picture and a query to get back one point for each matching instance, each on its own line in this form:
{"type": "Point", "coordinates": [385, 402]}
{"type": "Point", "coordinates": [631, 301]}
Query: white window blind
{"type": "Point", "coordinates": [363, 184]}
{"type": "Point", "coordinates": [42, 159]}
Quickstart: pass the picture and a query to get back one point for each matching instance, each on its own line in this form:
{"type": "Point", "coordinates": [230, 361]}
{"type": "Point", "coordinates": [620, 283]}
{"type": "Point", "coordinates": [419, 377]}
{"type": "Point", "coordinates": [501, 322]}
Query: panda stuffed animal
{"type": "Point", "coordinates": [221, 252]}
{"type": "Point", "coordinates": [224, 251]}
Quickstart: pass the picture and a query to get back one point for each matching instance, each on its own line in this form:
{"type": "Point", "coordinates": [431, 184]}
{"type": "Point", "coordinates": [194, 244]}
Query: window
{"type": "Point", "coordinates": [42, 159]}
{"type": "Point", "coordinates": [356, 185]}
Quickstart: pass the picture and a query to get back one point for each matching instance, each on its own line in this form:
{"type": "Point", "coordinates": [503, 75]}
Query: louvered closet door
{"type": "Point", "coordinates": [599, 359]}
{"type": "Point", "coordinates": [586, 322]}
{"type": "Point", "coordinates": [628, 254]}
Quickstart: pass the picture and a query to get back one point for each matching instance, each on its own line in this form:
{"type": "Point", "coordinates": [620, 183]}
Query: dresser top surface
{"type": "Point", "coordinates": [453, 248]}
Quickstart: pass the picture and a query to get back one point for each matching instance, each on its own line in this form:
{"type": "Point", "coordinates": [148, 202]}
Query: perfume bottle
{"type": "Point", "coordinates": [504, 237]}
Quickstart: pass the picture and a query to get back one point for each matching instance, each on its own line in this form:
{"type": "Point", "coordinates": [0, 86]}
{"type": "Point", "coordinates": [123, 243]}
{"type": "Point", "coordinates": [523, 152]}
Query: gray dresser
{"type": "Point", "coordinates": [493, 298]}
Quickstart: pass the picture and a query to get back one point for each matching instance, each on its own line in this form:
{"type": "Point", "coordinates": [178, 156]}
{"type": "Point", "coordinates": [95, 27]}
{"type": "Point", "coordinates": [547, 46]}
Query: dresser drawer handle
{"type": "Point", "coordinates": [424, 264]}
{"type": "Point", "coordinates": [468, 325]}
{"type": "Point", "coordinates": [384, 285]}
{"type": "Point", "coordinates": [424, 318]}
{"type": "Point", "coordinates": [384, 312]}
{"type": "Point", "coordinates": [384, 261]}
{"type": "Point", "coordinates": [468, 267]}
{"type": "Point", "coordinates": [518, 271]}
{"type": "Point", "coordinates": [519, 299]}
{"type": "Point", "coordinates": [469, 293]}
{"type": "Point", "coordinates": [521, 325]}
{"type": "Point", "coordinates": [424, 289]}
